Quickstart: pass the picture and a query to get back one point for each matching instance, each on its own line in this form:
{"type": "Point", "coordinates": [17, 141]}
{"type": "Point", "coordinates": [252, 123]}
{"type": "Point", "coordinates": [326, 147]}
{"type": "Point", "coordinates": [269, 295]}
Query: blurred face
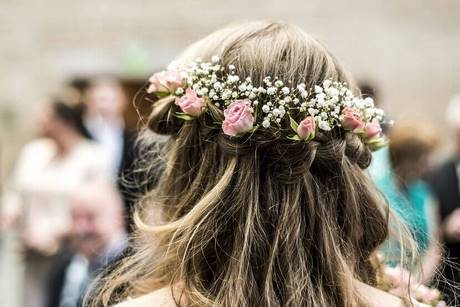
{"type": "Point", "coordinates": [93, 224]}
{"type": "Point", "coordinates": [48, 125]}
{"type": "Point", "coordinates": [423, 164]}
{"type": "Point", "coordinates": [414, 168]}
{"type": "Point", "coordinates": [106, 100]}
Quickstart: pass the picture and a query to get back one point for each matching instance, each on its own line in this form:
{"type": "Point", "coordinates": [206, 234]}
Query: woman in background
{"type": "Point", "coordinates": [46, 174]}
{"type": "Point", "coordinates": [409, 156]}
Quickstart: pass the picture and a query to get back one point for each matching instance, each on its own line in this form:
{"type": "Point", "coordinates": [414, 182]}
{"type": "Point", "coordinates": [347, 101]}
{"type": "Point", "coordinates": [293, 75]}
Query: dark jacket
{"type": "Point", "coordinates": [444, 183]}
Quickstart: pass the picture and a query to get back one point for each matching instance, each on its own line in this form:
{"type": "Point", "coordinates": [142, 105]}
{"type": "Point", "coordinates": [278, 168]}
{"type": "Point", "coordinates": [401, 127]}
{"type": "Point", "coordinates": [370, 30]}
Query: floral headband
{"type": "Point", "coordinates": [324, 107]}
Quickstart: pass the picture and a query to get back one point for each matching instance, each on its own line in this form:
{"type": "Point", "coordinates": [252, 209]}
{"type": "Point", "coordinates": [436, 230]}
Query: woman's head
{"type": "Point", "coordinates": [258, 220]}
{"type": "Point", "coordinates": [60, 118]}
{"type": "Point", "coordinates": [411, 147]}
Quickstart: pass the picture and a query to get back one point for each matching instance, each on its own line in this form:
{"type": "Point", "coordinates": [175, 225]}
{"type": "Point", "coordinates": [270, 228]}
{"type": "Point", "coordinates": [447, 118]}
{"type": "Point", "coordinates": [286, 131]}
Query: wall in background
{"type": "Point", "coordinates": [409, 49]}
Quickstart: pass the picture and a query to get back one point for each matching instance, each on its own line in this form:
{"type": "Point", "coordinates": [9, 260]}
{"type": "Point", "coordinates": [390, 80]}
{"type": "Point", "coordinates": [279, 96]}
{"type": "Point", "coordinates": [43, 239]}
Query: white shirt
{"type": "Point", "coordinates": [110, 136]}
{"type": "Point", "coordinates": [43, 184]}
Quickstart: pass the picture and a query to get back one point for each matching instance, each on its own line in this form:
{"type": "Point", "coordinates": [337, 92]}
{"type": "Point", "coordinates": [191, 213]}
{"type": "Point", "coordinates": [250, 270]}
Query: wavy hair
{"type": "Point", "coordinates": [257, 220]}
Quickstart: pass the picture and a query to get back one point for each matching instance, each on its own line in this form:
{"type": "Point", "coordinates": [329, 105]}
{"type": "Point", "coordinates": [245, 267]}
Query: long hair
{"type": "Point", "coordinates": [258, 220]}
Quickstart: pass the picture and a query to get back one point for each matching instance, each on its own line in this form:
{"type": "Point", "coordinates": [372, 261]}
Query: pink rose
{"type": "Point", "coordinates": [165, 81]}
{"type": "Point", "coordinates": [398, 276]}
{"type": "Point", "coordinates": [351, 119]}
{"type": "Point", "coordinates": [372, 129]}
{"type": "Point", "coordinates": [190, 103]}
{"type": "Point", "coordinates": [426, 295]}
{"type": "Point", "coordinates": [306, 128]}
{"type": "Point", "coordinates": [238, 118]}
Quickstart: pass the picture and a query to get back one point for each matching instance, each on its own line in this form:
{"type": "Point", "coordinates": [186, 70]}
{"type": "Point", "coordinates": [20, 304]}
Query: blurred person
{"type": "Point", "coordinates": [97, 238]}
{"type": "Point", "coordinates": [47, 172]}
{"type": "Point", "coordinates": [409, 155]}
{"type": "Point", "coordinates": [257, 210]}
{"type": "Point", "coordinates": [445, 183]}
{"type": "Point", "coordinates": [105, 103]}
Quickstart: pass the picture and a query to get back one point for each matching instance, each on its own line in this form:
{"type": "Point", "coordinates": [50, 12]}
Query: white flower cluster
{"type": "Point", "coordinates": [328, 100]}
{"type": "Point", "coordinates": [274, 100]}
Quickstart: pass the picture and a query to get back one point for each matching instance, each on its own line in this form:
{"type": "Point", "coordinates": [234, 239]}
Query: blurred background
{"type": "Point", "coordinates": [407, 52]}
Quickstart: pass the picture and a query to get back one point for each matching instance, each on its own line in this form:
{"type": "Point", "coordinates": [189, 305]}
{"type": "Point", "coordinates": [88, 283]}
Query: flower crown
{"type": "Point", "coordinates": [247, 108]}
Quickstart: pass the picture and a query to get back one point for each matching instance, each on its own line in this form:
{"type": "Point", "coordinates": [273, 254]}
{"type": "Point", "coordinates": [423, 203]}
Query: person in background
{"type": "Point", "coordinates": [409, 155]}
{"type": "Point", "coordinates": [97, 238]}
{"type": "Point", "coordinates": [47, 172]}
{"type": "Point", "coordinates": [444, 182]}
{"type": "Point", "coordinates": [105, 102]}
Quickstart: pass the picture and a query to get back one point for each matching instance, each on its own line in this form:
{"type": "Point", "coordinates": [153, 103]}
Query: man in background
{"type": "Point", "coordinates": [97, 238]}
{"type": "Point", "coordinates": [105, 103]}
{"type": "Point", "coordinates": [445, 184]}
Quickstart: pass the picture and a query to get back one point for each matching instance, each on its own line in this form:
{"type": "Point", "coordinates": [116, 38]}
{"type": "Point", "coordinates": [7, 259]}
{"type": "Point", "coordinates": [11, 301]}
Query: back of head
{"type": "Point", "coordinates": [258, 220]}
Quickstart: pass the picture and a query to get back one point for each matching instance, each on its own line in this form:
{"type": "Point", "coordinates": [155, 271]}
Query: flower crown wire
{"type": "Point", "coordinates": [324, 107]}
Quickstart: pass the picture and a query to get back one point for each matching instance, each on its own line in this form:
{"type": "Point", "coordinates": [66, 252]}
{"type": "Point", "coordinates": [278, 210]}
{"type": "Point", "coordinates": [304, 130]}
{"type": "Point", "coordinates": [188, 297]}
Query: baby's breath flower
{"type": "Point", "coordinates": [332, 91]}
{"type": "Point", "coordinates": [261, 90]}
{"type": "Point", "coordinates": [217, 85]}
{"type": "Point", "coordinates": [233, 79]}
{"type": "Point", "coordinates": [271, 91]}
{"type": "Point", "coordinates": [323, 125]}
{"type": "Point", "coordinates": [369, 102]}
{"type": "Point", "coordinates": [278, 83]}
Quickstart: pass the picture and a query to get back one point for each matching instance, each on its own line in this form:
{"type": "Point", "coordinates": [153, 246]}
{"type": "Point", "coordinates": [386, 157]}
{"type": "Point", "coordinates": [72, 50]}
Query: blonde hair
{"type": "Point", "coordinates": [409, 142]}
{"type": "Point", "coordinates": [255, 221]}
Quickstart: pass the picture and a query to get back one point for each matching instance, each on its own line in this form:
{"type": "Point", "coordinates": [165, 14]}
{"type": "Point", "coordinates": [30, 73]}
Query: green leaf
{"type": "Point", "coordinates": [294, 124]}
{"type": "Point", "coordinates": [377, 143]}
{"type": "Point", "coordinates": [294, 137]}
{"type": "Point", "coordinates": [184, 116]}
{"type": "Point", "coordinates": [162, 94]}
{"type": "Point", "coordinates": [254, 129]}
